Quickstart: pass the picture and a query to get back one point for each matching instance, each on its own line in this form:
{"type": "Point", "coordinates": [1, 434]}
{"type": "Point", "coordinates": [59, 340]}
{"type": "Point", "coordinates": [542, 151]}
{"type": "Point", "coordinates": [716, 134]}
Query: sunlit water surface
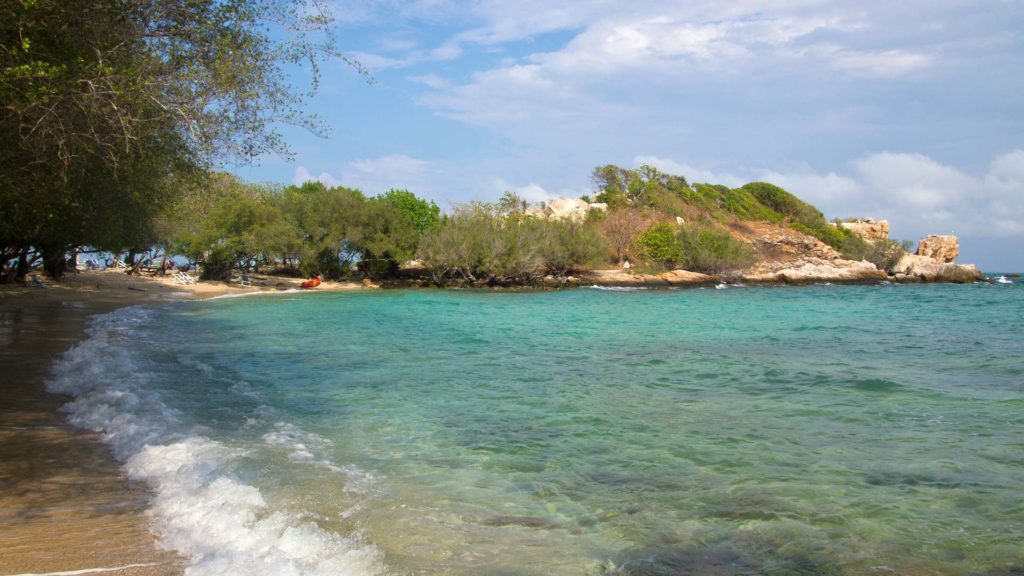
{"type": "Point", "coordinates": [815, 430]}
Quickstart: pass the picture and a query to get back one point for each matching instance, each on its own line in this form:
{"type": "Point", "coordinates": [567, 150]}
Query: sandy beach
{"type": "Point", "coordinates": [65, 505]}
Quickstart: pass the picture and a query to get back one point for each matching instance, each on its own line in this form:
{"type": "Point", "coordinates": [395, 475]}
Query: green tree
{"type": "Point", "coordinates": [242, 228]}
{"type": "Point", "coordinates": [104, 104]}
{"type": "Point", "coordinates": [331, 226]}
{"type": "Point", "coordinates": [423, 215]}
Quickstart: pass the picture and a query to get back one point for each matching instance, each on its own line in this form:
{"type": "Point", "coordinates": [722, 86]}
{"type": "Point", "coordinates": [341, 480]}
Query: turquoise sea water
{"type": "Point", "coordinates": [846, 430]}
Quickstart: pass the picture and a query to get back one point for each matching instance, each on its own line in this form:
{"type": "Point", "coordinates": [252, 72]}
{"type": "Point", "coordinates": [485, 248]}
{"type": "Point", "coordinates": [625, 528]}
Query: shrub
{"type": "Point", "coordinates": [786, 204]}
{"type": "Point", "coordinates": [713, 251]}
{"type": "Point", "coordinates": [658, 245]}
{"type": "Point", "coordinates": [479, 244]}
{"type": "Point", "coordinates": [747, 207]}
{"type": "Point", "coordinates": [566, 244]}
{"type": "Point", "coordinates": [885, 254]}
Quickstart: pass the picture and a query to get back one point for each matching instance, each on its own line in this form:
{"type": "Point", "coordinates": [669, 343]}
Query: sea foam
{"type": "Point", "coordinates": [221, 525]}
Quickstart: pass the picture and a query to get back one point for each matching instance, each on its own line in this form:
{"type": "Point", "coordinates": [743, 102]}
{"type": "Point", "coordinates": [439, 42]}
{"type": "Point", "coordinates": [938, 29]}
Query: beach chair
{"type": "Point", "coordinates": [182, 278]}
{"type": "Point", "coordinates": [245, 282]}
{"type": "Point", "coordinates": [119, 264]}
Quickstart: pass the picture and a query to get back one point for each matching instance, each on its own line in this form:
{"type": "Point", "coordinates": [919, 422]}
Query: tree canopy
{"type": "Point", "coordinates": [107, 105]}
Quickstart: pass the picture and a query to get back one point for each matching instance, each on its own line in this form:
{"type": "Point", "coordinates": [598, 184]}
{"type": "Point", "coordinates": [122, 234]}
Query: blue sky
{"type": "Point", "coordinates": [911, 111]}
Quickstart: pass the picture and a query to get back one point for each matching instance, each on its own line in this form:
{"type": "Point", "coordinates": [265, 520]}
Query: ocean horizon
{"type": "Point", "coordinates": [846, 430]}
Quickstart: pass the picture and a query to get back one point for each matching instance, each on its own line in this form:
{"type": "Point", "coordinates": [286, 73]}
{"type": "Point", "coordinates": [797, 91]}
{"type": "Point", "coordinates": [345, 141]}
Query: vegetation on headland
{"type": "Point", "coordinates": [109, 139]}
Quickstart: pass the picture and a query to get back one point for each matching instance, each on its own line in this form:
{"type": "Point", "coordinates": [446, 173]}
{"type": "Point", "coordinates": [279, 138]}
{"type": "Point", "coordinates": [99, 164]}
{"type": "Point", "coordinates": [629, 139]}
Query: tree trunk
{"type": "Point", "coordinates": [22, 269]}
{"type": "Point", "coordinates": [54, 262]}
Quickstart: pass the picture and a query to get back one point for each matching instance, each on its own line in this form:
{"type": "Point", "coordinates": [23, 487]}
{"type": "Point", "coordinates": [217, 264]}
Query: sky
{"type": "Point", "coordinates": [910, 111]}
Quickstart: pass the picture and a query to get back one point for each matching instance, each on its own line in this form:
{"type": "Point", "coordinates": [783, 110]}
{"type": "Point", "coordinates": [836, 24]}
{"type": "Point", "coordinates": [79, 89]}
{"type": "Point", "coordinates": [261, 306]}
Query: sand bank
{"type": "Point", "coordinates": [65, 505]}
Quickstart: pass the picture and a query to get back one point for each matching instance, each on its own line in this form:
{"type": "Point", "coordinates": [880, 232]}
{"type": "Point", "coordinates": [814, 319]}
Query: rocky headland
{"type": "Point", "coordinates": [786, 256]}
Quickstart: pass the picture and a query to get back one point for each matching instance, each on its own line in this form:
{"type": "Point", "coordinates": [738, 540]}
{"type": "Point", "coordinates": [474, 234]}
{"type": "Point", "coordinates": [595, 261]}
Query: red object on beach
{"type": "Point", "coordinates": [311, 283]}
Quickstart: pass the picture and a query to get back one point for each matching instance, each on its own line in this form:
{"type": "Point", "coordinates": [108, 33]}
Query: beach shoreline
{"type": "Point", "coordinates": [65, 503]}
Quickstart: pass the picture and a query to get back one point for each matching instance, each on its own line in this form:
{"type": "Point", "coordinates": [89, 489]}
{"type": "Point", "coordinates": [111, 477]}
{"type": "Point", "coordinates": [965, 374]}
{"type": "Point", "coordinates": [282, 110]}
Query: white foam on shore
{"type": "Point", "coordinates": [220, 524]}
{"type": "Point", "coordinates": [616, 288]}
{"type": "Point", "coordinates": [258, 293]}
{"type": "Point", "coordinates": [90, 570]}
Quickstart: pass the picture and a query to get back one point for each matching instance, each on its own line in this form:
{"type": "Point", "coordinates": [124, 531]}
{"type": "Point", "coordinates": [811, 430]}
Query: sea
{"type": "Point", "coordinates": [815, 430]}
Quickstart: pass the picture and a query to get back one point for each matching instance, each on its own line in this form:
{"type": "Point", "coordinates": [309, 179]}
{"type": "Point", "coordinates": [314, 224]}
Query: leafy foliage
{"type": "Point", "coordinates": [883, 253]}
{"type": "Point", "coordinates": [658, 246]}
{"type": "Point", "coordinates": [422, 215]}
{"type": "Point", "coordinates": [713, 251]}
{"type": "Point", "coordinates": [482, 243]}
{"type": "Point", "coordinates": [108, 106]}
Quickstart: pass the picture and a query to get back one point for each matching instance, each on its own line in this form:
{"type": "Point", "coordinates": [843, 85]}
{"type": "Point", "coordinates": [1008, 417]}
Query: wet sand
{"type": "Point", "coordinates": [65, 504]}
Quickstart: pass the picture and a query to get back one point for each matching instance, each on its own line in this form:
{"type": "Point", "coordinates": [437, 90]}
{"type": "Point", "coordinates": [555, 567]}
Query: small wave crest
{"type": "Point", "coordinates": [219, 523]}
{"type": "Point", "coordinates": [258, 293]}
{"type": "Point", "coordinates": [616, 288]}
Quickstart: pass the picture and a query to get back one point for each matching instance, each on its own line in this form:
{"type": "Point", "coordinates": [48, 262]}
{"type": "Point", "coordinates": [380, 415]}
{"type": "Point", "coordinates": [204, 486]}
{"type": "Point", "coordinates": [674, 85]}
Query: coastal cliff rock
{"type": "Point", "coordinates": [811, 269]}
{"type": "Point", "coordinates": [566, 209]}
{"type": "Point", "coordinates": [777, 243]}
{"type": "Point", "coordinates": [686, 277]}
{"type": "Point", "coordinates": [868, 229]}
{"type": "Point", "coordinates": [941, 248]}
{"type": "Point", "coordinates": [916, 268]}
{"type": "Point", "coordinates": [623, 278]}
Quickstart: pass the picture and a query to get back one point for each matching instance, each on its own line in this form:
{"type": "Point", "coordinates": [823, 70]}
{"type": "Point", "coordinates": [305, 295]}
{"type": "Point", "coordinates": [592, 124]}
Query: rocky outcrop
{"type": "Point", "coordinates": [811, 269]}
{"type": "Point", "coordinates": [941, 248]}
{"type": "Point", "coordinates": [868, 229]}
{"type": "Point", "coordinates": [677, 277]}
{"type": "Point", "coordinates": [623, 278]}
{"type": "Point", "coordinates": [565, 209]}
{"type": "Point", "coordinates": [777, 243]}
{"type": "Point", "coordinates": [916, 268]}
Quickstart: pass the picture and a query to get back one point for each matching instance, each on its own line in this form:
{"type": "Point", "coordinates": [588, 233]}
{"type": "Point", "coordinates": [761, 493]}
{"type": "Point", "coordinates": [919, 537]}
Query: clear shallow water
{"type": "Point", "coordinates": [817, 430]}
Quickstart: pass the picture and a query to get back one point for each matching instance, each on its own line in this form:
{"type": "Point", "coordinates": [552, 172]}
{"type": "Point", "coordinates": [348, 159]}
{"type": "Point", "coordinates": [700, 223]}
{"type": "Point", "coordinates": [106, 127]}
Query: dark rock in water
{"type": "Point", "coordinates": [527, 521]}
{"type": "Point", "coordinates": [908, 478]}
{"type": "Point", "coordinates": [716, 562]}
{"type": "Point", "coordinates": [1007, 571]}
{"type": "Point", "coordinates": [721, 560]}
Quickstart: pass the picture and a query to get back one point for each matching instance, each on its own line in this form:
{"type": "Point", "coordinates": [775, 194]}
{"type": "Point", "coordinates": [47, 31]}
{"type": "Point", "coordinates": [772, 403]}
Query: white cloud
{"type": "Point", "coordinates": [628, 63]}
{"type": "Point", "coordinates": [302, 175]}
{"type": "Point", "coordinates": [431, 80]}
{"type": "Point", "coordinates": [888, 63]}
{"type": "Point", "coordinates": [378, 62]}
{"type": "Point", "coordinates": [377, 175]}
{"type": "Point", "coordinates": [531, 192]}
{"type": "Point", "coordinates": [919, 195]}
{"type": "Point", "coordinates": [448, 51]}
{"type": "Point", "coordinates": [398, 164]}
{"type": "Point", "coordinates": [692, 174]}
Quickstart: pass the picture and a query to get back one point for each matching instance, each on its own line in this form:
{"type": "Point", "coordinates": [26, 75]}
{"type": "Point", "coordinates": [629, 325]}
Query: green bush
{"type": "Point", "coordinates": [566, 244]}
{"type": "Point", "coordinates": [884, 253]}
{"type": "Point", "coordinates": [479, 244]}
{"type": "Point", "coordinates": [658, 246]}
{"type": "Point", "coordinates": [747, 207]}
{"type": "Point", "coordinates": [785, 204]}
{"type": "Point", "coordinates": [713, 251]}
